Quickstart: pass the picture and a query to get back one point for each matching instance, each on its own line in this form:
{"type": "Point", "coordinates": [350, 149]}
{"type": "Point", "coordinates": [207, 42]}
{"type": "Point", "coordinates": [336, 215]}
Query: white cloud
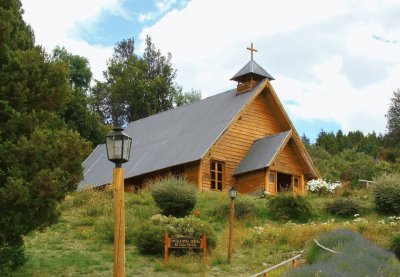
{"type": "Point", "coordinates": [54, 23]}
{"type": "Point", "coordinates": [208, 40]}
{"type": "Point", "coordinates": [212, 34]}
{"type": "Point", "coordinates": [318, 51]}
{"type": "Point", "coordinates": [362, 41]}
{"type": "Point", "coordinates": [332, 97]}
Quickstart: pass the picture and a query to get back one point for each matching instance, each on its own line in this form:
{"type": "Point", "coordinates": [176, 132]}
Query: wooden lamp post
{"type": "Point", "coordinates": [232, 195]}
{"type": "Point", "coordinates": [118, 151]}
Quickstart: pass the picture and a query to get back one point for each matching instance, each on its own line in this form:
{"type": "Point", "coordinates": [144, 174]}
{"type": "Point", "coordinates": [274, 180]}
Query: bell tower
{"type": "Point", "coordinates": [250, 75]}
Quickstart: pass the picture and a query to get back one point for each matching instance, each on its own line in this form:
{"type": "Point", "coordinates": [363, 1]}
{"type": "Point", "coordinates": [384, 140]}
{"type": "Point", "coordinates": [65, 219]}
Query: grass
{"type": "Point", "coordinates": [80, 244]}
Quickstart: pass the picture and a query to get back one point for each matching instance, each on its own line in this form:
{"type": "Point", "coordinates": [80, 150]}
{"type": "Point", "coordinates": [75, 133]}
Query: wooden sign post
{"type": "Point", "coordinates": [184, 243]}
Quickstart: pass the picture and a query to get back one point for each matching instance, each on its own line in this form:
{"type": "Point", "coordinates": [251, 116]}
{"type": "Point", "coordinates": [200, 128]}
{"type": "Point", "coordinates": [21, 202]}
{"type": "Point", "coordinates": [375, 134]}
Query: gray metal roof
{"type": "Point", "coordinates": [252, 68]}
{"type": "Point", "coordinates": [169, 138]}
{"type": "Point", "coordinates": [262, 153]}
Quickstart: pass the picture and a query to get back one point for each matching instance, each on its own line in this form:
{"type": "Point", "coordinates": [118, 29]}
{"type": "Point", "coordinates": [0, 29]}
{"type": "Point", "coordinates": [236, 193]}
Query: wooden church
{"type": "Point", "coordinates": [242, 137]}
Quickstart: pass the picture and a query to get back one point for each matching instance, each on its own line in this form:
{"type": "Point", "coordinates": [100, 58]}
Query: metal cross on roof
{"type": "Point", "coordinates": [251, 49]}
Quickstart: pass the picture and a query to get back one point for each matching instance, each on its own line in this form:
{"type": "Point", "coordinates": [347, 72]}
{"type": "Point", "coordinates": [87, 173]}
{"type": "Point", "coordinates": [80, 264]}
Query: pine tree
{"type": "Point", "coordinates": [40, 157]}
{"type": "Point", "coordinates": [137, 87]}
{"type": "Point", "coordinates": [393, 120]}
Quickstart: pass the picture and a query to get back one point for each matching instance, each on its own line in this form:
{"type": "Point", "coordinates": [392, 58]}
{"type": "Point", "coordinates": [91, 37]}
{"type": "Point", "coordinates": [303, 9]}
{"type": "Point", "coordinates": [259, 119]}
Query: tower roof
{"type": "Point", "coordinates": [252, 69]}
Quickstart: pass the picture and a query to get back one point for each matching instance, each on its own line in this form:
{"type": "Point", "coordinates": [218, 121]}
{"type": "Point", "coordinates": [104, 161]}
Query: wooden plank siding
{"type": "Point", "coordinates": [257, 120]}
{"type": "Point", "coordinates": [191, 172]}
{"type": "Point", "coordinates": [252, 182]}
{"type": "Point", "coordinates": [288, 162]}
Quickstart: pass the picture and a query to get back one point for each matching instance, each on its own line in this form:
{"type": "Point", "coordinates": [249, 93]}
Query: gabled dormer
{"type": "Point", "coordinates": [250, 75]}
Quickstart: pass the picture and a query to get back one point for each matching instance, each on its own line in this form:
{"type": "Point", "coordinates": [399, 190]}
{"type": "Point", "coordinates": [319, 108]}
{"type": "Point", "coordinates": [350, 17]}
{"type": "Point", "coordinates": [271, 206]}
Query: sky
{"type": "Point", "coordinates": [335, 63]}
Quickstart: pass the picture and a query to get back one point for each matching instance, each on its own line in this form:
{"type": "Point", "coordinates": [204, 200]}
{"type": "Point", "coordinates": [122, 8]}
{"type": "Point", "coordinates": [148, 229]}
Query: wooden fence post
{"type": "Point", "coordinates": [166, 245]}
{"type": "Point", "coordinates": [294, 263]}
{"type": "Point", "coordinates": [204, 247]}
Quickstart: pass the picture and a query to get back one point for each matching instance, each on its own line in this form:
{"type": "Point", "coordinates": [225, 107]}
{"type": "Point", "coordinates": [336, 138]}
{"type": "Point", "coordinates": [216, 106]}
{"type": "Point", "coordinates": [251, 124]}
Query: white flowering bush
{"type": "Point", "coordinates": [320, 185]}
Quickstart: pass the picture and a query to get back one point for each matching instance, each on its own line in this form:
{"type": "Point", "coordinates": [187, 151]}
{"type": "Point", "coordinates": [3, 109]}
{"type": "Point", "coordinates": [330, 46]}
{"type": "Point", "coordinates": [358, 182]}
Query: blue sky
{"type": "Point", "coordinates": [110, 27]}
{"type": "Point", "coordinates": [336, 62]}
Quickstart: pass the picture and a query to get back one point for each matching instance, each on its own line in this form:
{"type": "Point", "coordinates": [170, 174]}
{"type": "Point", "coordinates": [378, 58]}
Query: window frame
{"type": "Point", "coordinates": [293, 182]}
{"type": "Point", "coordinates": [215, 169]}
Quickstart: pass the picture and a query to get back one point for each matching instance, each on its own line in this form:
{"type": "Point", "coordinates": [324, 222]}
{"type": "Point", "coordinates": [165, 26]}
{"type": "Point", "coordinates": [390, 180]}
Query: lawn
{"type": "Point", "coordinates": [80, 244]}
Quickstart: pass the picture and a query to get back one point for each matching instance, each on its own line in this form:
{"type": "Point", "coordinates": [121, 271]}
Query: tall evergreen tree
{"type": "Point", "coordinates": [40, 158]}
{"type": "Point", "coordinates": [136, 87]}
{"type": "Point", "coordinates": [76, 111]}
{"type": "Point", "coordinates": [393, 120]}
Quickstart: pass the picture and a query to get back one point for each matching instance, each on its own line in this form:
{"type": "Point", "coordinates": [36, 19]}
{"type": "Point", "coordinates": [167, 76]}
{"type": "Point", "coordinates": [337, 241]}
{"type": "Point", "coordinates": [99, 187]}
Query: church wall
{"type": "Point", "coordinates": [251, 182]}
{"type": "Point", "coordinates": [191, 172]}
{"type": "Point", "coordinates": [256, 121]}
{"type": "Point", "coordinates": [288, 161]}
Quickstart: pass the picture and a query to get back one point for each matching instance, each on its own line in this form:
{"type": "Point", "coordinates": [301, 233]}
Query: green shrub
{"type": "Point", "coordinates": [140, 206]}
{"type": "Point", "coordinates": [149, 238]}
{"type": "Point", "coordinates": [286, 206]}
{"type": "Point", "coordinates": [12, 256]}
{"type": "Point", "coordinates": [244, 207]}
{"type": "Point", "coordinates": [175, 196]}
{"type": "Point", "coordinates": [387, 194]}
{"type": "Point", "coordinates": [343, 207]}
{"type": "Point", "coordinates": [189, 226]}
{"type": "Point", "coordinates": [395, 245]}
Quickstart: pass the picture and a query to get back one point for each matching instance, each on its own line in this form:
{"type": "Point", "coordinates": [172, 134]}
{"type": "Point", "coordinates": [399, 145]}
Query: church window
{"type": "Point", "coordinates": [217, 175]}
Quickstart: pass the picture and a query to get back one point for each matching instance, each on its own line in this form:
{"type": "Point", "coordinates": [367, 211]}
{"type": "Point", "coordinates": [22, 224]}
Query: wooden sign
{"type": "Point", "coordinates": [189, 243]}
{"type": "Point", "coordinates": [184, 243]}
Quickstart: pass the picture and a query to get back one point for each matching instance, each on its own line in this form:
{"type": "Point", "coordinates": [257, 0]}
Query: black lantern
{"type": "Point", "coordinates": [232, 193]}
{"type": "Point", "coordinates": [118, 146]}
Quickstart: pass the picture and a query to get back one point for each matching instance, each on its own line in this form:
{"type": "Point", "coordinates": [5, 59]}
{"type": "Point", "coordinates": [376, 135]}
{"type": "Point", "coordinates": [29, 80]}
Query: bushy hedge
{"type": "Point", "coordinates": [149, 236]}
{"type": "Point", "coordinates": [387, 194]}
{"type": "Point", "coordinates": [286, 206]}
{"type": "Point", "coordinates": [343, 207]}
{"type": "Point", "coordinates": [175, 196]}
{"type": "Point", "coordinates": [358, 257]}
{"type": "Point", "coordinates": [244, 207]}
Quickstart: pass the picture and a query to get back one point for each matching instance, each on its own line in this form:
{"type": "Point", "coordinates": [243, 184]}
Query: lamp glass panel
{"type": "Point", "coordinates": [232, 193]}
{"type": "Point", "coordinates": [110, 147]}
{"type": "Point", "coordinates": [114, 147]}
{"type": "Point", "coordinates": [127, 148]}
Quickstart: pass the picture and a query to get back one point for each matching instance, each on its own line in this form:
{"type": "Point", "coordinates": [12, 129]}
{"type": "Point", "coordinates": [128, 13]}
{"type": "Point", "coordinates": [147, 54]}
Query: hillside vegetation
{"type": "Point", "coordinates": [80, 244]}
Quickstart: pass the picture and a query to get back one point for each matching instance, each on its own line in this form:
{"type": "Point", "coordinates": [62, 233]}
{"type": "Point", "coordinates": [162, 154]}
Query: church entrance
{"type": "Point", "coordinates": [284, 182]}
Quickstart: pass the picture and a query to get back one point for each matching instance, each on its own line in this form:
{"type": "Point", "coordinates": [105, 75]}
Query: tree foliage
{"type": "Point", "coordinates": [76, 110]}
{"type": "Point", "coordinates": [14, 32]}
{"type": "Point", "coordinates": [352, 156]}
{"type": "Point", "coordinates": [79, 71]}
{"type": "Point", "coordinates": [40, 157]}
{"type": "Point", "coordinates": [336, 143]}
{"type": "Point", "coordinates": [393, 120]}
{"type": "Point", "coordinates": [136, 87]}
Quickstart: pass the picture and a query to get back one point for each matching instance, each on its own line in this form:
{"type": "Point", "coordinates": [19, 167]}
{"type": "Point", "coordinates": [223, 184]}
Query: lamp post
{"type": "Point", "coordinates": [118, 146]}
{"type": "Point", "coordinates": [232, 195]}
